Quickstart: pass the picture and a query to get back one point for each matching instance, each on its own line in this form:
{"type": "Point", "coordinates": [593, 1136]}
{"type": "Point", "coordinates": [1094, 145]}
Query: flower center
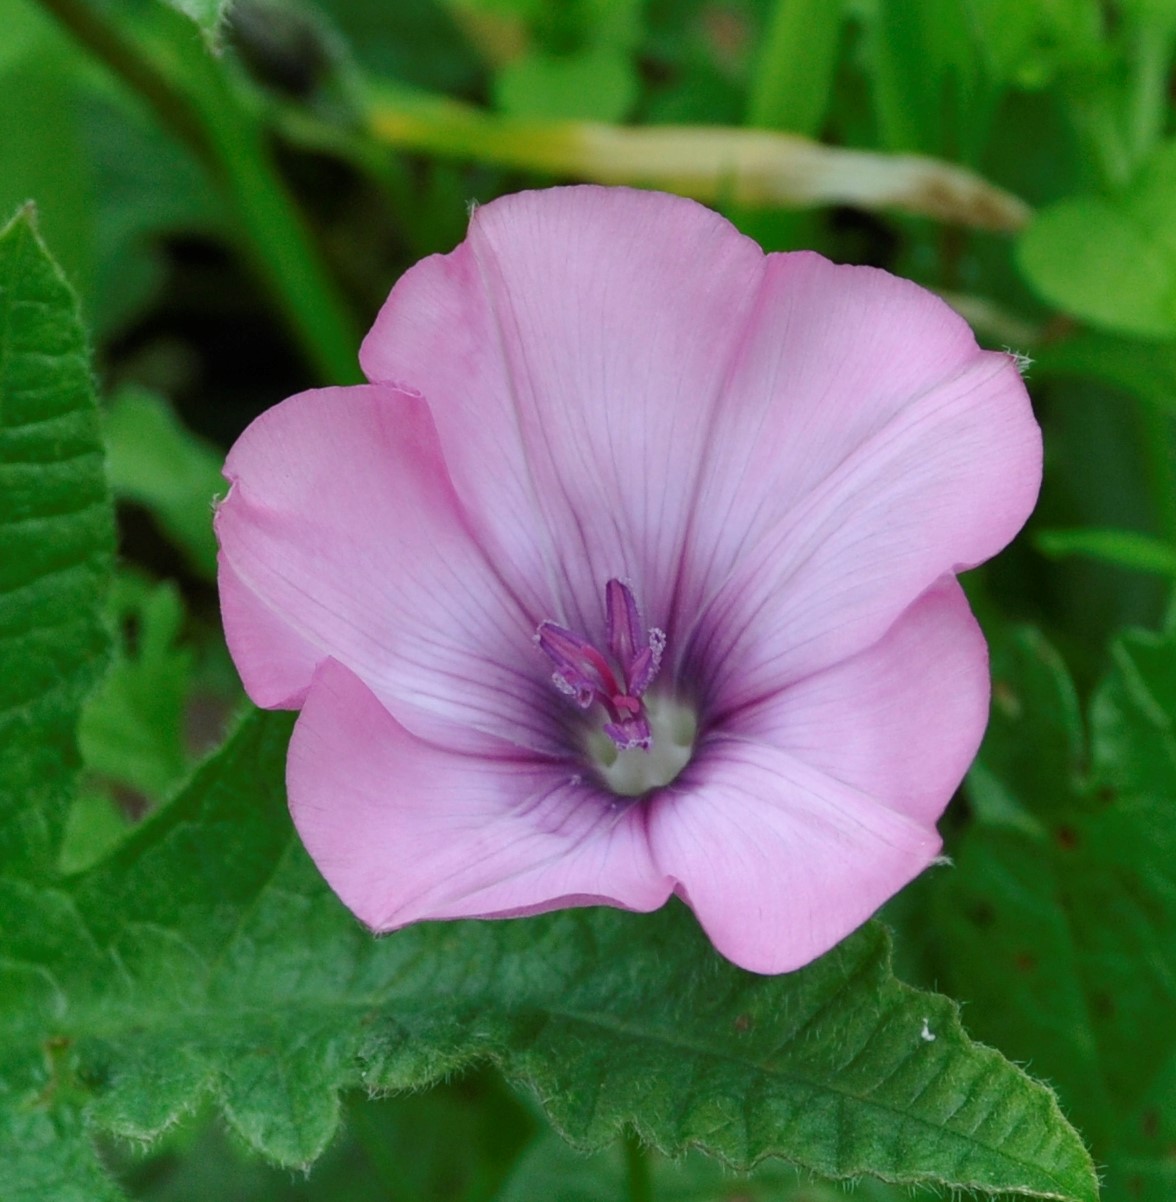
{"type": "Point", "coordinates": [645, 741]}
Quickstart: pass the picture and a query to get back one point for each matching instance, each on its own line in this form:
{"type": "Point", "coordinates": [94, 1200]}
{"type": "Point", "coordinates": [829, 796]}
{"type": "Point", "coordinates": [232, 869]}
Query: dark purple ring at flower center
{"type": "Point", "coordinates": [584, 674]}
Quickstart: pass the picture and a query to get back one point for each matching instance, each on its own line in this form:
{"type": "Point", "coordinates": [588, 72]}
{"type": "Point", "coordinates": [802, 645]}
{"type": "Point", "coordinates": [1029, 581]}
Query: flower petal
{"type": "Point", "coordinates": [889, 451]}
{"type": "Point", "coordinates": [578, 340]}
{"type": "Point", "coordinates": [341, 537]}
{"type": "Point", "coordinates": [900, 721]}
{"type": "Point", "coordinates": [404, 830]}
{"type": "Point", "coordinates": [275, 661]}
{"type": "Point", "coordinates": [789, 837]}
{"type": "Point", "coordinates": [778, 860]}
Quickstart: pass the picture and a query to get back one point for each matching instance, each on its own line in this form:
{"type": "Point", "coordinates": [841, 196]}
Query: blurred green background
{"type": "Point", "coordinates": [233, 189]}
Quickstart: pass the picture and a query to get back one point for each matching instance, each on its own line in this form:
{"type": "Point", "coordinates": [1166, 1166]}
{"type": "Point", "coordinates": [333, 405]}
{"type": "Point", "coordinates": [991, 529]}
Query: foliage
{"type": "Point", "coordinates": [1059, 927]}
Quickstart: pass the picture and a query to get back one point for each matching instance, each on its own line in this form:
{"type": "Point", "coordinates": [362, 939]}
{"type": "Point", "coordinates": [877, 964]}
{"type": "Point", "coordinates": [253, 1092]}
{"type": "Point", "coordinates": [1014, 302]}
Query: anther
{"type": "Point", "coordinates": [583, 673]}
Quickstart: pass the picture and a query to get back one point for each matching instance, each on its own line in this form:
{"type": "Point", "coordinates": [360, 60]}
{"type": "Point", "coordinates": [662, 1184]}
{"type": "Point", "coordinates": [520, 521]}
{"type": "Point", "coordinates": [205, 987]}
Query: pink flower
{"type": "Point", "coordinates": [631, 573]}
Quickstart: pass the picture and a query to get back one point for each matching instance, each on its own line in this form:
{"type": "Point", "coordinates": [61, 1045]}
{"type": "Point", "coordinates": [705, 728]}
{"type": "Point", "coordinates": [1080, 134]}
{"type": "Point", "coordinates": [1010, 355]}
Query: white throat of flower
{"type": "Point", "coordinates": [634, 771]}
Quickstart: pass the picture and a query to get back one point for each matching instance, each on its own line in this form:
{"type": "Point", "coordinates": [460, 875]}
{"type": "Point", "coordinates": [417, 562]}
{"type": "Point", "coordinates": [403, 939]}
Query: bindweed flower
{"type": "Point", "coordinates": [631, 573]}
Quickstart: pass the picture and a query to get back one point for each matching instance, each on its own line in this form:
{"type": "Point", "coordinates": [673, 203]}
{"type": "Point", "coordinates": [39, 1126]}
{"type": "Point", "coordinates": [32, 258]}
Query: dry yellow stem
{"type": "Point", "coordinates": [752, 168]}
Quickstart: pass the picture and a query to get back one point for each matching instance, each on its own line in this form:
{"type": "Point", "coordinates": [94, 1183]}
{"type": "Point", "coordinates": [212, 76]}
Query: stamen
{"type": "Point", "coordinates": [585, 675]}
{"type": "Point", "coordinates": [580, 670]}
{"type": "Point", "coordinates": [623, 622]}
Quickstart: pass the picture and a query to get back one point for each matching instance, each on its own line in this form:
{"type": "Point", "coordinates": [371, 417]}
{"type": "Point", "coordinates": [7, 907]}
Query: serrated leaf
{"type": "Point", "coordinates": [454, 1143]}
{"type": "Point", "coordinates": [552, 1170]}
{"type": "Point", "coordinates": [49, 1158]}
{"type": "Point", "coordinates": [207, 957]}
{"type": "Point", "coordinates": [1062, 933]}
{"type": "Point", "coordinates": [56, 539]}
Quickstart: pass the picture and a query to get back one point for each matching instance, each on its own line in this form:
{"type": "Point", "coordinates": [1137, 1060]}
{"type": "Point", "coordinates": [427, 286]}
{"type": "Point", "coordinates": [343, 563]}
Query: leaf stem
{"type": "Point", "coordinates": [638, 1173]}
{"type": "Point", "coordinates": [192, 94]}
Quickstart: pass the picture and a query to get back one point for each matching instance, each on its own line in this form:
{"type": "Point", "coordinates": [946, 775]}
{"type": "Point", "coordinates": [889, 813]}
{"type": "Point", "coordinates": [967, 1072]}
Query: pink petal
{"type": "Point", "coordinates": [578, 341]}
{"type": "Point", "coordinates": [275, 661]}
{"type": "Point", "coordinates": [403, 830]}
{"type": "Point", "coordinates": [887, 451]}
{"type": "Point", "coordinates": [778, 860]}
{"type": "Point", "coordinates": [662, 404]}
{"type": "Point", "coordinates": [341, 537]}
{"type": "Point", "coordinates": [900, 721]}
{"type": "Point", "coordinates": [821, 805]}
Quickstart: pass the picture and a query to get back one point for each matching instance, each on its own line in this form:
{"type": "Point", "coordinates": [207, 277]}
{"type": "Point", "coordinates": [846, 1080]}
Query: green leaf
{"type": "Point", "coordinates": [595, 84]}
{"type": "Point", "coordinates": [1122, 548]}
{"type": "Point", "coordinates": [454, 1143]}
{"type": "Point", "coordinates": [552, 1170]}
{"type": "Point", "coordinates": [418, 44]}
{"type": "Point", "coordinates": [97, 824]}
{"type": "Point", "coordinates": [131, 733]}
{"type": "Point", "coordinates": [1111, 260]}
{"type": "Point", "coordinates": [1089, 257]}
{"type": "Point", "coordinates": [49, 1158]}
{"type": "Point", "coordinates": [174, 474]}
{"type": "Point", "coordinates": [1061, 933]}
{"type": "Point", "coordinates": [207, 957]}
{"type": "Point", "coordinates": [577, 65]}
{"type": "Point", "coordinates": [1028, 44]}
{"type": "Point", "coordinates": [56, 539]}
{"type": "Point", "coordinates": [131, 726]}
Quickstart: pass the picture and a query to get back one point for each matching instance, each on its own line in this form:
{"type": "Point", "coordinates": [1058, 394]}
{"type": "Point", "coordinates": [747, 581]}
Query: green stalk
{"type": "Point", "coordinates": [156, 52]}
{"type": "Point", "coordinates": [794, 74]}
{"type": "Point", "coordinates": [638, 1174]}
{"type": "Point", "coordinates": [283, 252]}
{"type": "Point", "coordinates": [1147, 102]}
